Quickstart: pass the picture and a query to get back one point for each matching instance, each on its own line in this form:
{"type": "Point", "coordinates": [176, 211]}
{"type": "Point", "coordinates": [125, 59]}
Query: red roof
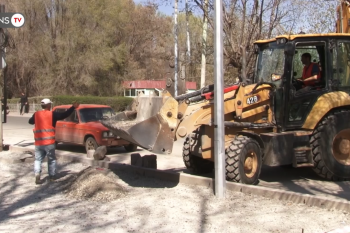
{"type": "Point", "coordinates": [150, 84]}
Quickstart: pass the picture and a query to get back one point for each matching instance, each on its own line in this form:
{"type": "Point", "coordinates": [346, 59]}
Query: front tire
{"type": "Point", "coordinates": [194, 163]}
{"type": "Point", "coordinates": [90, 144]}
{"type": "Point", "coordinates": [243, 160]}
{"type": "Point", "coordinates": [330, 144]}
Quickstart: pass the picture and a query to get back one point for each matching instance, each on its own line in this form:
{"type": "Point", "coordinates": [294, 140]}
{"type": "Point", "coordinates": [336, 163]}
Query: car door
{"type": "Point", "coordinates": [60, 128]}
{"type": "Point", "coordinates": [70, 134]}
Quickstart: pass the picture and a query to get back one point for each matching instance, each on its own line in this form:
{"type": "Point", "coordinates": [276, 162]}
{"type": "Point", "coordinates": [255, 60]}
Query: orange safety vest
{"type": "Point", "coordinates": [307, 73]}
{"type": "Point", "coordinates": [44, 132]}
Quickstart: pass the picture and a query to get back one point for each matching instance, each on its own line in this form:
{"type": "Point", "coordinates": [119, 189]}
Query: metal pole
{"type": "Point", "coordinates": [341, 17]}
{"type": "Point", "coordinates": [175, 49]}
{"type": "Point", "coordinates": [188, 52]}
{"type": "Point", "coordinates": [204, 43]}
{"type": "Point", "coordinates": [5, 89]}
{"type": "Point", "coordinates": [2, 10]}
{"type": "Point", "coordinates": [219, 130]}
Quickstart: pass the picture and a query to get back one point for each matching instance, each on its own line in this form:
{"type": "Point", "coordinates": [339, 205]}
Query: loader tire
{"type": "Point", "coordinates": [194, 163]}
{"type": "Point", "coordinates": [330, 143]}
{"type": "Point", "coordinates": [130, 148]}
{"type": "Point", "coordinates": [243, 160]}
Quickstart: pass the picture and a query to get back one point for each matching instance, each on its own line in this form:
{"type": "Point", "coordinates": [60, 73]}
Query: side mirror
{"type": "Point", "coordinates": [275, 77]}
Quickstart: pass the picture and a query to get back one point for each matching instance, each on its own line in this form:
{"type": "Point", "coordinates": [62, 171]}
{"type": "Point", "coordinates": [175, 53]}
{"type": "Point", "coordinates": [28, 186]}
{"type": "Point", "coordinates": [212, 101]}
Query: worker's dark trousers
{"type": "Point", "coordinates": [22, 106]}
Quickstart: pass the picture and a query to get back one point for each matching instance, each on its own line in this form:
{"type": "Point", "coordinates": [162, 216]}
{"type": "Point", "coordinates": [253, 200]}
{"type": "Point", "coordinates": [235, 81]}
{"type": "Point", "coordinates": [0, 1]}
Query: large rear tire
{"type": "Point", "coordinates": [330, 144]}
{"type": "Point", "coordinates": [243, 160]}
{"type": "Point", "coordinates": [194, 163]}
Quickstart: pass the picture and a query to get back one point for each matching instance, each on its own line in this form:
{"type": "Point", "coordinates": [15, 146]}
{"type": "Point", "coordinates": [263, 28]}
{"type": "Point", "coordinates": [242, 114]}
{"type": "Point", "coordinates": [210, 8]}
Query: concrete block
{"type": "Point", "coordinates": [136, 160]}
{"type": "Point", "coordinates": [90, 153]}
{"type": "Point", "coordinates": [149, 161]}
{"type": "Point", "coordinates": [100, 153]}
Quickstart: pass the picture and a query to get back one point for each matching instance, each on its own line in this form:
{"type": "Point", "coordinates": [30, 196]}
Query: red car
{"type": "Point", "coordinates": [82, 127]}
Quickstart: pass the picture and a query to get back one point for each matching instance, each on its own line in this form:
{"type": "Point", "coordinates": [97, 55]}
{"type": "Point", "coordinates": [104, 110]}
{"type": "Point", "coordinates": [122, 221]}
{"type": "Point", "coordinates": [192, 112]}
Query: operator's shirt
{"type": "Point", "coordinates": [311, 70]}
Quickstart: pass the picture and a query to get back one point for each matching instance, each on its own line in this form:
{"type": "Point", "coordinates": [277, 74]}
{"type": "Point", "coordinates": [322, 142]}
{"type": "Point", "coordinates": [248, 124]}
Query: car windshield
{"type": "Point", "coordinates": [270, 61]}
{"type": "Point", "coordinates": [95, 114]}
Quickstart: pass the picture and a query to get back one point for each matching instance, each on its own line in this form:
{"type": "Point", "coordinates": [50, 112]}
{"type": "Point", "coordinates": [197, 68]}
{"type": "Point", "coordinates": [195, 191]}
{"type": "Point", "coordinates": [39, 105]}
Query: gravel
{"type": "Point", "coordinates": [95, 185]}
{"type": "Point", "coordinates": [80, 202]}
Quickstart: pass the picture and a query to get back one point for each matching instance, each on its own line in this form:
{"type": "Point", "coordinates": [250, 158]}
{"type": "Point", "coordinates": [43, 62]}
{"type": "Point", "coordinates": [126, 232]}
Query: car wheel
{"type": "Point", "coordinates": [90, 144]}
{"type": "Point", "coordinates": [130, 148]}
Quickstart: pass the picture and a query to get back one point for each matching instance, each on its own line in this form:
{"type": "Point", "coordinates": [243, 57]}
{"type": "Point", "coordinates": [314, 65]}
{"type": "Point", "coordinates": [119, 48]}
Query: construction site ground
{"type": "Point", "coordinates": [152, 205]}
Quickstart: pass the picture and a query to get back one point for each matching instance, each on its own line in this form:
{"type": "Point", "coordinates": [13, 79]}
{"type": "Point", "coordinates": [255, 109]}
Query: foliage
{"type": "Point", "coordinates": [117, 103]}
{"type": "Point", "coordinates": [89, 47]}
{"type": "Point", "coordinates": [85, 46]}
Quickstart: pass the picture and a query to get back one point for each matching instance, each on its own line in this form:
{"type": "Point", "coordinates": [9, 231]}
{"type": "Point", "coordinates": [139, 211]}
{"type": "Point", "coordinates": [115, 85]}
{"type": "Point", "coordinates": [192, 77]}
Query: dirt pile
{"type": "Point", "coordinates": [95, 185]}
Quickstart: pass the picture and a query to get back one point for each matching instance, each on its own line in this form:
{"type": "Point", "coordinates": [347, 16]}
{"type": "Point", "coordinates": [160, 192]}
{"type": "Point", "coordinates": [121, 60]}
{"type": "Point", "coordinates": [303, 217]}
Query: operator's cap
{"type": "Point", "coordinates": [46, 101]}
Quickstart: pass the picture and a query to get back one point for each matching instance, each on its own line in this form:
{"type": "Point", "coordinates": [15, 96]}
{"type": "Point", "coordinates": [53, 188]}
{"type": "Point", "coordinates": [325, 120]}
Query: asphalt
{"type": "Point", "coordinates": [17, 132]}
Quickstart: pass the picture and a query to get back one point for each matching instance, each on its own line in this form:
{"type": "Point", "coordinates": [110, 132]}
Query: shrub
{"type": "Point", "coordinates": [117, 103]}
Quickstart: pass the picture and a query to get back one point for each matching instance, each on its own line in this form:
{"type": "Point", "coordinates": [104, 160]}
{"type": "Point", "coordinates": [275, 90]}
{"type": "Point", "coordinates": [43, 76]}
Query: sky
{"type": "Point", "coordinates": [165, 8]}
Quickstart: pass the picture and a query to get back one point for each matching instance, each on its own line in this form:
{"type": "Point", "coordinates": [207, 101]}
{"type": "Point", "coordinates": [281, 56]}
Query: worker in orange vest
{"type": "Point", "coordinates": [44, 136]}
{"type": "Point", "coordinates": [311, 71]}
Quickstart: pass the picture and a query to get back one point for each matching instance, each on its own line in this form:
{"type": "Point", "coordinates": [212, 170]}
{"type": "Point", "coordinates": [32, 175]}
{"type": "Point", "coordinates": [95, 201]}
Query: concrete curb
{"type": "Point", "coordinates": [298, 198]}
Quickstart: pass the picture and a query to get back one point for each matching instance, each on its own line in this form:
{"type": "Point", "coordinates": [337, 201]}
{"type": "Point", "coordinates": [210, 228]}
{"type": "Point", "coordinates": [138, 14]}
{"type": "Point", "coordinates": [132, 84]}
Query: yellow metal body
{"type": "Point", "coordinates": [343, 14]}
{"type": "Point", "coordinates": [237, 108]}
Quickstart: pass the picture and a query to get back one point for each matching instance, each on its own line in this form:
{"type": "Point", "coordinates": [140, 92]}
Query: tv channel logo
{"type": "Point", "coordinates": [11, 20]}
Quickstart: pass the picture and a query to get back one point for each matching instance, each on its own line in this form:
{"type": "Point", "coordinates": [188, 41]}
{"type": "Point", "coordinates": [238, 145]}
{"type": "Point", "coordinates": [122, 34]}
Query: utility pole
{"type": "Point", "coordinates": [175, 49]}
{"type": "Point", "coordinates": [2, 10]}
{"type": "Point", "coordinates": [188, 52]}
{"type": "Point", "coordinates": [219, 130]}
{"type": "Point", "coordinates": [204, 43]}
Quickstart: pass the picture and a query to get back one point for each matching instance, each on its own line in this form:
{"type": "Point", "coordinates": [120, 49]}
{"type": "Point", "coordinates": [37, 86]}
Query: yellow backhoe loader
{"type": "Point", "coordinates": [270, 121]}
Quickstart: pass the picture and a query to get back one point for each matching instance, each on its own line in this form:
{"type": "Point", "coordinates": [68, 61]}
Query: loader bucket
{"type": "Point", "coordinates": [125, 116]}
{"type": "Point", "coordinates": [154, 127]}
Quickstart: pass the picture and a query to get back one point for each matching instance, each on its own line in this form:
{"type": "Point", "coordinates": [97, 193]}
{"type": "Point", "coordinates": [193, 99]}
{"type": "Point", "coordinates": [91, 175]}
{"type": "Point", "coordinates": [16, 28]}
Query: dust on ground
{"type": "Point", "coordinates": [142, 205]}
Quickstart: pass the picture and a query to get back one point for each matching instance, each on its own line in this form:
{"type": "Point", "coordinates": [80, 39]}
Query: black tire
{"type": "Point", "coordinates": [236, 155]}
{"type": "Point", "coordinates": [321, 141]}
{"type": "Point", "coordinates": [130, 147]}
{"type": "Point", "coordinates": [194, 163]}
{"type": "Point", "coordinates": [90, 144]}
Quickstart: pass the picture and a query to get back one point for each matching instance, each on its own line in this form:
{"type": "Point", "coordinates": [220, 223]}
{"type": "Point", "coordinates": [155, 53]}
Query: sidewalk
{"type": "Point", "coordinates": [17, 114]}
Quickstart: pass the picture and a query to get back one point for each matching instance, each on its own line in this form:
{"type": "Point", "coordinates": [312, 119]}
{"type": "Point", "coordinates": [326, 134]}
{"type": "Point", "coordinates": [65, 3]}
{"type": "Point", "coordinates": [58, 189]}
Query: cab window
{"type": "Point", "coordinates": [317, 51]}
{"type": "Point", "coordinates": [341, 64]}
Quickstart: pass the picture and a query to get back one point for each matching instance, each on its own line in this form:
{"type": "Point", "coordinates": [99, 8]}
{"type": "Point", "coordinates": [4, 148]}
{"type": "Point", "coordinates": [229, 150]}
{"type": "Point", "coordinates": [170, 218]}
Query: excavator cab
{"type": "Point", "coordinates": [268, 121]}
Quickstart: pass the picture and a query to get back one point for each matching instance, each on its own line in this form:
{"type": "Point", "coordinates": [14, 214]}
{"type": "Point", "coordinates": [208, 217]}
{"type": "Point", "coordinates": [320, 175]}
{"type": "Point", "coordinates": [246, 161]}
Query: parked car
{"type": "Point", "coordinates": [82, 127]}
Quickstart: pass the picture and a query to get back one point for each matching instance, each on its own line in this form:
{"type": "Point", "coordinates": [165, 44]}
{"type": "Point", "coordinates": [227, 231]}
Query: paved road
{"type": "Point", "coordinates": [18, 132]}
{"type": "Point", "coordinates": [303, 180]}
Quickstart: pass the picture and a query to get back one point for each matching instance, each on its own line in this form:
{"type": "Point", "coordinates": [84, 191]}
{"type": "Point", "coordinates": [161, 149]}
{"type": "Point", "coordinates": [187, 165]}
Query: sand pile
{"type": "Point", "coordinates": [95, 185]}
